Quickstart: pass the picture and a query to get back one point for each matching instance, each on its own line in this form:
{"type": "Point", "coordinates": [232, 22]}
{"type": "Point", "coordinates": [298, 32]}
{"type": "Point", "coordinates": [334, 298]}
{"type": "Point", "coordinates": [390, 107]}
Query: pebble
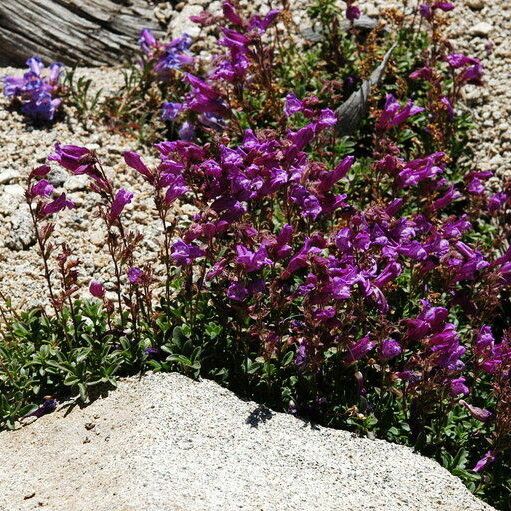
{"type": "Point", "coordinates": [21, 235]}
{"type": "Point", "coordinates": [482, 29]}
{"type": "Point", "coordinates": [9, 175]}
{"type": "Point", "coordinates": [475, 5]}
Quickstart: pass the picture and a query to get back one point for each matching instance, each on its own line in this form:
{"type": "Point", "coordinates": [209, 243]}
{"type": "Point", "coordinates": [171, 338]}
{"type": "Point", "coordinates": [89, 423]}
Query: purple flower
{"type": "Point", "coordinates": [60, 203]}
{"type": "Point", "coordinates": [352, 12]}
{"type": "Point", "coordinates": [471, 70]}
{"type": "Point", "coordinates": [147, 41]}
{"type": "Point", "coordinates": [49, 406]}
{"type": "Point", "coordinates": [443, 6]}
{"type": "Point", "coordinates": [475, 186]}
{"type": "Point", "coordinates": [42, 188]}
{"type": "Point", "coordinates": [457, 387]}
{"type": "Point", "coordinates": [41, 171]}
{"type": "Point", "coordinates": [394, 114]}
{"type": "Point", "coordinates": [96, 289]}
{"type": "Point", "coordinates": [329, 179]}
{"type": "Point", "coordinates": [481, 414]}
{"type": "Point", "coordinates": [237, 291]}
{"type": "Point", "coordinates": [176, 188]}
{"type": "Point", "coordinates": [41, 106]}
{"type": "Point", "coordinates": [423, 73]}
{"type": "Point", "coordinates": [78, 160]}
{"type": "Point", "coordinates": [389, 348]}
{"type": "Point", "coordinates": [449, 196]}
{"type": "Point", "coordinates": [409, 376]}
{"type": "Point", "coordinates": [135, 275]}
{"type": "Point", "coordinates": [326, 119]}
{"type": "Point", "coordinates": [308, 203]}
{"type": "Point", "coordinates": [13, 86]}
{"type": "Point", "coordinates": [458, 60]}
{"type": "Point", "coordinates": [293, 105]}
{"type": "Point", "coordinates": [446, 102]}
{"type": "Point", "coordinates": [486, 460]}
{"type": "Point", "coordinates": [174, 55]}
{"type": "Point", "coordinates": [496, 201]}
{"type": "Point", "coordinates": [420, 169]}
{"type": "Point", "coordinates": [231, 14]}
{"type": "Point", "coordinates": [252, 261]}
{"type": "Point", "coordinates": [301, 354]}
{"type": "Point", "coordinates": [35, 64]}
{"type": "Point", "coordinates": [187, 131]}
{"type": "Point", "coordinates": [262, 24]}
{"type": "Point", "coordinates": [390, 272]}
{"type": "Point", "coordinates": [359, 349]}
{"type": "Point", "coordinates": [153, 353]}
{"type": "Point", "coordinates": [184, 254]}
{"type": "Point", "coordinates": [425, 11]}
{"type": "Point", "coordinates": [121, 199]}
{"type": "Point", "coordinates": [36, 90]}
{"type": "Point", "coordinates": [134, 160]}
{"type": "Point", "coordinates": [171, 110]}
{"type": "Point", "coordinates": [484, 339]}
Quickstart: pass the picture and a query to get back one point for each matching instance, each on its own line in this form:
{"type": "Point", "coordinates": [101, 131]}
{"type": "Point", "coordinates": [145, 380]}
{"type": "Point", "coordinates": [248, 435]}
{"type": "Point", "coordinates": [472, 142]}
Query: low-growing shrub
{"type": "Point", "coordinates": [361, 281]}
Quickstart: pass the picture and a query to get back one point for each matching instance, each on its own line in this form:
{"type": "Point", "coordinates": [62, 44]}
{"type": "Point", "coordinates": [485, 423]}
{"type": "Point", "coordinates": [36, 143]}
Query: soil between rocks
{"type": "Point", "coordinates": [168, 443]}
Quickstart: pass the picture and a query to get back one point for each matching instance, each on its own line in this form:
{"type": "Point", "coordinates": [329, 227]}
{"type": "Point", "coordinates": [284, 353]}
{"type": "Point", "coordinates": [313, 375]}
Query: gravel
{"type": "Point", "coordinates": [166, 442]}
{"type": "Point", "coordinates": [479, 27]}
{"type": "Point", "coordinates": [24, 147]}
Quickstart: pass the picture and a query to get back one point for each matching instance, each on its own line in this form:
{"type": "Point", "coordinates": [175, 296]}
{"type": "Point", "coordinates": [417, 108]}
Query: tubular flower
{"type": "Point", "coordinates": [389, 349]}
{"type": "Point", "coordinates": [60, 203]}
{"type": "Point", "coordinates": [135, 275]}
{"type": "Point", "coordinates": [78, 160]}
{"type": "Point", "coordinates": [184, 254]}
{"type": "Point", "coordinates": [488, 458]}
{"type": "Point", "coordinates": [394, 114]}
{"type": "Point", "coordinates": [96, 289]}
{"type": "Point", "coordinates": [121, 199]}
{"type": "Point", "coordinates": [42, 188]}
{"type": "Point", "coordinates": [359, 349]}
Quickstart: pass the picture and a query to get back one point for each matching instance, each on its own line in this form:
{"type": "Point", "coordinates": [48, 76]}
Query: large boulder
{"type": "Point", "coordinates": [165, 442]}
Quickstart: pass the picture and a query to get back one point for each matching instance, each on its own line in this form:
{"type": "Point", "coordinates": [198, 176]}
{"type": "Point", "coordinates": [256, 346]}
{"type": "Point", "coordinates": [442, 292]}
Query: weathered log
{"type": "Point", "coordinates": [354, 109]}
{"type": "Point", "coordinates": [88, 32]}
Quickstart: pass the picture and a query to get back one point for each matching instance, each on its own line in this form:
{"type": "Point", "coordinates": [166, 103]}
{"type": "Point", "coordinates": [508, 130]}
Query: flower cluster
{"type": "Point", "coordinates": [244, 66]}
{"type": "Point", "coordinates": [37, 90]}
{"type": "Point", "coordinates": [280, 240]}
{"type": "Point", "coordinates": [166, 57]}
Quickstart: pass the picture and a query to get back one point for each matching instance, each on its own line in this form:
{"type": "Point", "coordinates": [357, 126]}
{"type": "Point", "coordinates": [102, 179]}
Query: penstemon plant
{"type": "Point", "coordinates": [361, 281]}
{"type": "Point", "coordinates": [38, 91]}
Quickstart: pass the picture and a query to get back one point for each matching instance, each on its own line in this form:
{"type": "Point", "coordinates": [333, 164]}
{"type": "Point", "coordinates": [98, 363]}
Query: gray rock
{"type": "Point", "coordinates": [11, 197]}
{"type": "Point", "coordinates": [76, 183]}
{"type": "Point", "coordinates": [482, 29]}
{"type": "Point", "coordinates": [9, 176]}
{"type": "Point", "coordinates": [57, 176]}
{"type": "Point", "coordinates": [21, 235]}
{"type": "Point", "coordinates": [181, 21]}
